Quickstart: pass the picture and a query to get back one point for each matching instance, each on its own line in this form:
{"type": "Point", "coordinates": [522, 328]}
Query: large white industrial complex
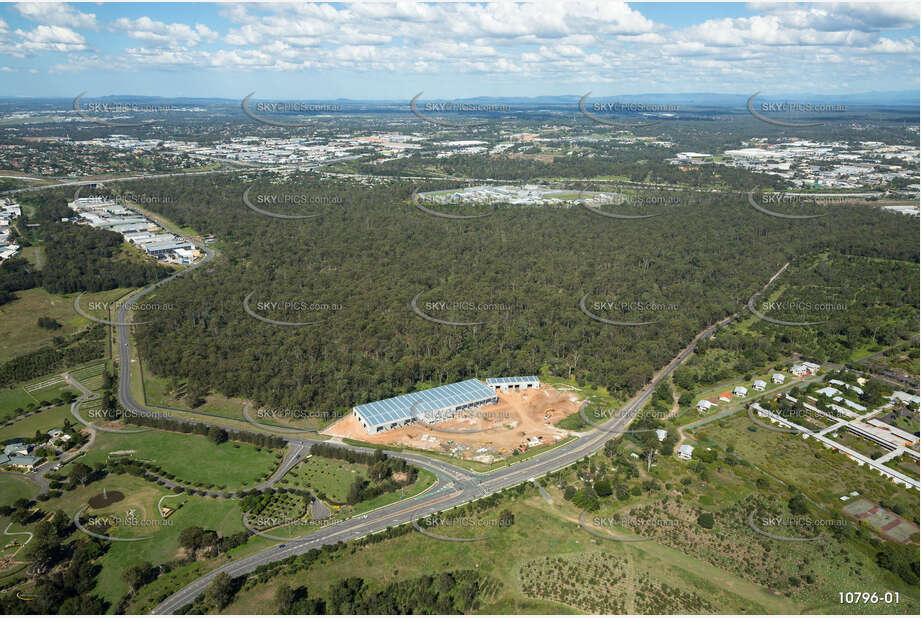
{"type": "Point", "coordinates": [436, 404]}
{"type": "Point", "coordinates": [135, 228]}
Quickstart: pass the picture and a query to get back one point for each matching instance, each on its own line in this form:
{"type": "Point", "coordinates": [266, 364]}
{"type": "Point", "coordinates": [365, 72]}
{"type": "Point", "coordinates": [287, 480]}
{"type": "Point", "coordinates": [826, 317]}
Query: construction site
{"type": "Point", "coordinates": [521, 420]}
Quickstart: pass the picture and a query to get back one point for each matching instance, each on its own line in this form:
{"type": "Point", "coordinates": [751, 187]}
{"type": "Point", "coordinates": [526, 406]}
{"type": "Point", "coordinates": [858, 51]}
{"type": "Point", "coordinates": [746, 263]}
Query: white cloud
{"type": "Point", "coordinates": [545, 42]}
{"type": "Point", "coordinates": [889, 46]}
{"type": "Point", "coordinates": [57, 14]}
{"type": "Point", "coordinates": [169, 35]}
{"type": "Point", "coordinates": [48, 38]}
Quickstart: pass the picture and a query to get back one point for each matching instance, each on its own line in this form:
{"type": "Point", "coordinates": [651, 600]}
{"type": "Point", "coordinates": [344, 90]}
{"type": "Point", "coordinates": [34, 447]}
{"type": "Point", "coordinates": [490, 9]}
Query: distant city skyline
{"type": "Point", "coordinates": [455, 50]}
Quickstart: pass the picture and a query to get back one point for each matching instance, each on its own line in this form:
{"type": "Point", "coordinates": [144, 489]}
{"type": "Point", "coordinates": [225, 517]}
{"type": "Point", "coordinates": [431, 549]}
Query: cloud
{"type": "Point", "coordinates": [889, 46]}
{"type": "Point", "coordinates": [168, 35]}
{"type": "Point", "coordinates": [539, 42]}
{"type": "Point", "coordinates": [837, 17]}
{"type": "Point", "coordinates": [57, 14]}
{"type": "Point", "coordinates": [48, 38]}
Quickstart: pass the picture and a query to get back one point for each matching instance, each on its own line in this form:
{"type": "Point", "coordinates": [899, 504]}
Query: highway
{"type": "Point", "coordinates": [103, 181]}
{"type": "Point", "coordinates": [245, 167]}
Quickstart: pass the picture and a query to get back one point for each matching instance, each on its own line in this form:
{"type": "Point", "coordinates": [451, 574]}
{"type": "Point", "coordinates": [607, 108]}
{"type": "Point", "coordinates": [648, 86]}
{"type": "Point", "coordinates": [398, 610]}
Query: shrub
{"type": "Point", "coordinates": [705, 520]}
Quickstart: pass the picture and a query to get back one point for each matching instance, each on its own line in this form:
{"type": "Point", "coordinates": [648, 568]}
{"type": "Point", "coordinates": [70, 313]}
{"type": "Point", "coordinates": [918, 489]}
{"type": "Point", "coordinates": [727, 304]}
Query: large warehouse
{"type": "Point", "coordinates": [429, 406]}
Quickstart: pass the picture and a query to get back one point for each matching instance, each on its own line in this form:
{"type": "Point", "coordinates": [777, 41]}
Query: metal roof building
{"type": "Point", "coordinates": [431, 405]}
{"type": "Point", "coordinates": [514, 382]}
{"type": "Point", "coordinates": [157, 248]}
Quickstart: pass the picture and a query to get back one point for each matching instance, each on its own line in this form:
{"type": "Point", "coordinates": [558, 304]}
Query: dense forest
{"type": "Point", "coordinates": [856, 302]}
{"type": "Point", "coordinates": [82, 258]}
{"type": "Point", "coordinates": [522, 272]}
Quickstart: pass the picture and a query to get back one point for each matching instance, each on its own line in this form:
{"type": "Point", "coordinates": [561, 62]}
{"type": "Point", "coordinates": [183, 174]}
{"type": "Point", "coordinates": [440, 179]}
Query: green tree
{"type": "Point", "coordinates": [191, 538]}
{"type": "Point", "coordinates": [284, 599]}
{"type": "Point", "coordinates": [797, 504]}
{"type": "Point", "coordinates": [221, 591]}
{"type": "Point", "coordinates": [603, 488]}
{"type": "Point", "coordinates": [217, 435]}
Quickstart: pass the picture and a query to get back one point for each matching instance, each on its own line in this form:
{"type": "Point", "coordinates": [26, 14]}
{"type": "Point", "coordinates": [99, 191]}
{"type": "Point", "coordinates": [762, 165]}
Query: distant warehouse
{"type": "Point", "coordinates": [429, 406]}
{"type": "Point", "coordinates": [514, 383]}
{"type": "Point", "coordinates": [159, 248]}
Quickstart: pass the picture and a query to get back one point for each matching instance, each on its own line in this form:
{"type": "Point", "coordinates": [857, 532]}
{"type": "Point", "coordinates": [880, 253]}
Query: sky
{"type": "Point", "coordinates": [395, 50]}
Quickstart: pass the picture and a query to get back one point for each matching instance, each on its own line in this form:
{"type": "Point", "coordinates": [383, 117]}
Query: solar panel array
{"type": "Point", "coordinates": [514, 380]}
{"type": "Point", "coordinates": [402, 407]}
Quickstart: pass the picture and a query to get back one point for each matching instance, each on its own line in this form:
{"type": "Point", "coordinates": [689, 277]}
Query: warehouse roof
{"type": "Point", "coordinates": [412, 404]}
{"type": "Point", "coordinates": [168, 245]}
{"type": "Point", "coordinates": [511, 380]}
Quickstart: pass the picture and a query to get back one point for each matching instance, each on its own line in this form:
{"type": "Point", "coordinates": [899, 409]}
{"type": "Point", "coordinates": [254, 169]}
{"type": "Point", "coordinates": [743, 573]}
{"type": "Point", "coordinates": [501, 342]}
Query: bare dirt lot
{"type": "Point", "coordinates": [521, 420]}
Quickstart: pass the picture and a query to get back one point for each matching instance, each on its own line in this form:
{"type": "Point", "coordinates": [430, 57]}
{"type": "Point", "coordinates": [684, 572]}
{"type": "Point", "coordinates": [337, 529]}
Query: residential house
{"type": "Point", "coordinates": [799, 370]}
{"type": "Point", "coordinates": [828, 391]}
{"type": "Point", "coordinates": [759, 385]}
{"type": "Point", "coordinates": [703, 405]}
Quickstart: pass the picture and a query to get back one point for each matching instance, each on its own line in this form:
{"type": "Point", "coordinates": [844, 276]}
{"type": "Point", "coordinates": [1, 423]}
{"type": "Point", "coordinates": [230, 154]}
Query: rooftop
{"type": "Point", "coordinates": [511, 380]}
{"type": "Point", "coordinates": [411, 405]}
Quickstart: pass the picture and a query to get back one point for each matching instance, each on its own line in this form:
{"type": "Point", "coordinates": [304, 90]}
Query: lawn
{"type": "Point", "coordinates": [210, 514]}
{"type": "Point", "coordinates": [191, 458]}
{"type": "Point", "coordinates": [215, 514]}
{"type": "Point", "coordinates": [13, 398]}
{"type": "Point", "coordinates": [48, 388]}
{"type": "Point", "coordinates": [53, 418]}
{"type": "Point", "coordinates": [13, 487]}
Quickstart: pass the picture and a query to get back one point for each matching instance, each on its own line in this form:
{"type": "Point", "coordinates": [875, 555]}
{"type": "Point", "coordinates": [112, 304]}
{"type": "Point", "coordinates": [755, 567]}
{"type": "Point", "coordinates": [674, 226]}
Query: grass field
{"type": "Point", "coordinates": [35, 255]}
{"type": "Point", "coordinates": [13, 398]}
{"type": "Point", "coordinates": [89, 371]}
{"type": "Point", "coordinates": [221, 515]}
{"type": "Point", "coordinates": [509, 556]}
{"type": "Point", "coordinates": [13, 487]}
{"type": "Point", "coordinates": [547, 563]}
{"type": "Point", "coordinates": [192, 458]}
{"type": "Point", "coordinates": [53, 418]}
{"type": "Point", "coordinates": [820, 473]}
{"type": "Point", "coordinates": [158, 393]}
{"type": "Point", "coordinates": [19, 329]}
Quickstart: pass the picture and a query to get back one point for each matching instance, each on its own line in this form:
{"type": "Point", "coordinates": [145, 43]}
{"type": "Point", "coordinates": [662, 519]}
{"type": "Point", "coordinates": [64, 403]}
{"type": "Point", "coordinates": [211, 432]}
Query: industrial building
{"type": "Point", "coordinates": [428, 406]}
{"type": "Point", "coordinates": [514, 383]}
{"type": "Point", "coordinates": [169, 246]}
